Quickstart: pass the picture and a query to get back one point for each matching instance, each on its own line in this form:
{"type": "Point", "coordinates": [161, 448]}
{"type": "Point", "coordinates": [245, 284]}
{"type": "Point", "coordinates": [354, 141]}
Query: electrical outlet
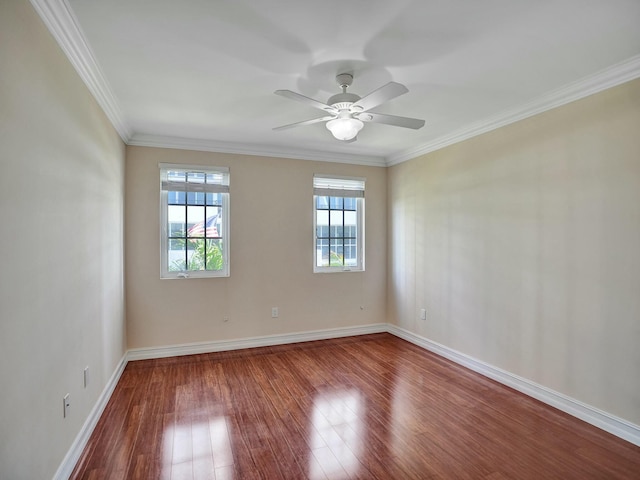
{"type": "Point", "coordinates": [225, 319]}
{"type": "Point", "coordinates": [423, 314]}
{"type": "Point", "coordinates": [274, 312]}
{"type": "Point", "coordinates": [86, 377]}
{"type": "Point", "coordinates": [66, 405]}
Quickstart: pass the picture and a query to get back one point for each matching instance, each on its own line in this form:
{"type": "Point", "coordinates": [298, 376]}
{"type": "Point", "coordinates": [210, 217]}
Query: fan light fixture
{"type": "Point", "coordinates": [345, 128]}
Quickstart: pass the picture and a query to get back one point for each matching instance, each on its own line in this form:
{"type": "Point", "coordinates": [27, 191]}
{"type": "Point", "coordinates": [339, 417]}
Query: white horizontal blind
{"type": "Point", "coordinates": [196, 179]}
{"type": "Point", "coordinates": [324, 185]}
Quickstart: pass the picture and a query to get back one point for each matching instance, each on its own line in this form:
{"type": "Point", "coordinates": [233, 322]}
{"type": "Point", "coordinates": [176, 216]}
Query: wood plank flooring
{"type": "Point", "coordinates": [369, 407]}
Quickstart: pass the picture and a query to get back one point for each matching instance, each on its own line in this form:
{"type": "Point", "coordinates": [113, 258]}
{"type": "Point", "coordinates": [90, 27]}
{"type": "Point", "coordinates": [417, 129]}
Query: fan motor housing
{"type": "Point", "coordinates": [342, 98]}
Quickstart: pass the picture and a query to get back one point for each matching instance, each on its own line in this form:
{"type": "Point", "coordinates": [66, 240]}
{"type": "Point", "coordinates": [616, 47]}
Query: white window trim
{"type": "Point", "coordinates": [340, 186]}
{"type": "Point", "coordinates": [224, 189]}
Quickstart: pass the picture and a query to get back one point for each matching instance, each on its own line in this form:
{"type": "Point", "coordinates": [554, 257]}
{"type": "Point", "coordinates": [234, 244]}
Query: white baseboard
{"type": "Point", "coordinates": [607, 422]}
{"type": "Point", "coordinates": [252, 342]}
{"type": "Point", "coordinates": [71, 458]}
{"type": "Point", "coordinates": [603, 420]}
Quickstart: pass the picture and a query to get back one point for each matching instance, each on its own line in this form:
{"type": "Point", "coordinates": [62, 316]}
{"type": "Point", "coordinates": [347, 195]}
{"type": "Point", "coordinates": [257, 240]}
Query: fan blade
{"type": "Point", "coordinates": [306, 122]}
{"type": "Point", "coordinates": [301, 98]}
{"type": "Point", "coordinates": [405, 122]}
{"type": "Point", "coordinates": [381, 95]}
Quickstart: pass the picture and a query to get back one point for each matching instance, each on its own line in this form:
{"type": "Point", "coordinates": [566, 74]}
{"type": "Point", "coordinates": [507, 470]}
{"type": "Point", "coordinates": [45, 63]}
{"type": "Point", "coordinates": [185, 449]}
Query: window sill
{"type": "Point", "coordinates": [337, 270]}
{"type": "Point", "coordinates": [192, 275]}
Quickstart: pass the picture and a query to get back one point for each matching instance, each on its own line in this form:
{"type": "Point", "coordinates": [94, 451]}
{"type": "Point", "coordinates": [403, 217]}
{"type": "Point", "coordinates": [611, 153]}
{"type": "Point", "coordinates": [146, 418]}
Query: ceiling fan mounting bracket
{"type": "Point", "coordinates": [344, 80]}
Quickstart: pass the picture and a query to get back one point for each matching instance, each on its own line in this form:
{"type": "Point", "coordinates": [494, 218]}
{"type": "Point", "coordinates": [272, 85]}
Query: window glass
{"type": "Point", "coordinates": [194, 211]}
{"type": "Point", "coordinates": [339, 218]}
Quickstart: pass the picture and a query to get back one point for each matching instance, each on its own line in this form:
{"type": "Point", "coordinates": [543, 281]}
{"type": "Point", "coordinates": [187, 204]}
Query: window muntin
{"type": "Point", "coordinates": [195, 221]}
{"type": "Point", "coordinates": [338, 224]}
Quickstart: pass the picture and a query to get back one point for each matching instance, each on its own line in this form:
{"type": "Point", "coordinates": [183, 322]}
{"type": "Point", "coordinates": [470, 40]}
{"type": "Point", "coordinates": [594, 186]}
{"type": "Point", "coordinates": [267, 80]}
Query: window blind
{"type": "Point", "coordinates": [331, 186]}
{"type": "Point", "coordinates": [198, 179]}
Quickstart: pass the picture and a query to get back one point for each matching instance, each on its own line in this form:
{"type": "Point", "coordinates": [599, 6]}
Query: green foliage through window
{"type": "Point", "coordinates": [202, 255]}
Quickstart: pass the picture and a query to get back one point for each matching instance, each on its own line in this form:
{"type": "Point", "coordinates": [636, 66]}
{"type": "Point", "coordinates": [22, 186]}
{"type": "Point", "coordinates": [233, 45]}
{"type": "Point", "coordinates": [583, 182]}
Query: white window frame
{"type": "Point", "coordinates": [346, 187]}
{"type": "Point", "coordinates": [165, 187]}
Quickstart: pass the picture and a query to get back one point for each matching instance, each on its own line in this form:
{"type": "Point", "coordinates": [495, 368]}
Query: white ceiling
{"type": "Point", "coordinates": [201, 73]}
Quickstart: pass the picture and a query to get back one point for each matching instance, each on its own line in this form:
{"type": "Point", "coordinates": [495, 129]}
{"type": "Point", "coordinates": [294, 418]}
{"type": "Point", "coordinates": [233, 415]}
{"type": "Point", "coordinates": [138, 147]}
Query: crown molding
{"type": "Point", "coordinates": [610, 77]}
{"type": "Point", "coordinates": [63, 25]}
{"type": "Point", "coordinates": [161, 141]}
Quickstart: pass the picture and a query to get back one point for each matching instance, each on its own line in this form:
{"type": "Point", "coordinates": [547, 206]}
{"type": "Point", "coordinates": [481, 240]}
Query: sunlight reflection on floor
{"type": "Point", "coordinates": [196, 448]}
{"type": "Point", "coordinates": [337, 430]}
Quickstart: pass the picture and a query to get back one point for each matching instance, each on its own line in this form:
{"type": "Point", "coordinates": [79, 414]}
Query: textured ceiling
{"type": "Point", "coordinates": [203, 72]}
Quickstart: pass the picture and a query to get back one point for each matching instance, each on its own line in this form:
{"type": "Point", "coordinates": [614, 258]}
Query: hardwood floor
{"type": "Point", "coordinates": [369, 407]}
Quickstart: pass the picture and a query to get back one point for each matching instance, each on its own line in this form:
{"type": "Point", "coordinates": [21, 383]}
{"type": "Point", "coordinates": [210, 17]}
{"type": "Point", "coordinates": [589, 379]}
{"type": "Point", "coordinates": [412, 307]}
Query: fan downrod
{"type": "Point", "coordinates": [343, 100]}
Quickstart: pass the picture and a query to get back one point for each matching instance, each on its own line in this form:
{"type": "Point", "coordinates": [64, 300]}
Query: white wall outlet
{"type": "Point", "coordinates": [225, 319]}
{"type": "Point", "coordinates": [423, 314]}
{"type": "Point", "coordinates": [66, 405]}
{"type": "Point", "coordinates": [86, 377]}
{"type": "Point", "coordinates": [274, 312]}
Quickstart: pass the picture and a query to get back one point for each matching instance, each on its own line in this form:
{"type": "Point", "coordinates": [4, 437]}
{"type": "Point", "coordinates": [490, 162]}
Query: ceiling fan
{"type": "Point", "coordinates": [347, 111]}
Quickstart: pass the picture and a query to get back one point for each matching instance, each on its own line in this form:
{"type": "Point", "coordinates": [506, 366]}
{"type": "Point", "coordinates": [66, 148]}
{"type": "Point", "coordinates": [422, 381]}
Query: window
{"type": "Point", "coordinates": [338, 204]}
{"type": "Point", "coordinates": [194, 221]}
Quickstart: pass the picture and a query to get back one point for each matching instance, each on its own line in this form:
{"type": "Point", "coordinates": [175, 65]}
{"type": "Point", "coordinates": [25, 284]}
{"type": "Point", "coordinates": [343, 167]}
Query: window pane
{"type": "Point", "coordinates": [322, 223]}
{"type": "Point", "coordinates": [176, 218]}
{"type": "Point", "coordinates": [335, 253]}
{"type": "Point", "coordinates": [335, 202]}
{"type": "Point", "coordinates": [336, 231]}
{"type": "Point", "coordinates": [195, 221]}
{"type": "Point", "coordinates": [176, 229]}
{"type": "Point", "coordinates": [213, 223]}
{"type": "Point", "coordinates": [176, 256]}
{"type": "Point", "coordinates": [349, 203]}
{"type": "Point", "coordinates": [336, 221]}
{"type": "Point", "coordinates": [350, 252]}
{"type": "Point", "coordinates": [350, 222]}
{"type": "Point", "coordinates": [350, 232]}
{"type": "Point", "coordinates": [322, 253]}
{"type": "Point", "coordinates": [195, 198]}
{"type": "Point", "coordinates": [214, 199]}
{"type": "Point", "coordinates": [322, 231]}
{"type": "Point", "coordinates": [322, 202]}
{"type": "Point", "coordinates": [176, 198]}
{"type": "Point", "coordinates": [214, 259]}
{"type": "Point", "coordinates": [195, 254]}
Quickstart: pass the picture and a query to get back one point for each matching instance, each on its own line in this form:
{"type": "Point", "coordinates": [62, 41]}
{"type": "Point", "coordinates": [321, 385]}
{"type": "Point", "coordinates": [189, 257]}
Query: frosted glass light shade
{"type": "Point", "coordinates": [344, 128]}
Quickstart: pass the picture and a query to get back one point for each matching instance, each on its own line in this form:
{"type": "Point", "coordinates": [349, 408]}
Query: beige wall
{"type": "Point", "coordinates": [61, 245]}
{"type": "Point", "coordinates": [271, 255]}
{"type": "Point", "coordinates": [523, 245]}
